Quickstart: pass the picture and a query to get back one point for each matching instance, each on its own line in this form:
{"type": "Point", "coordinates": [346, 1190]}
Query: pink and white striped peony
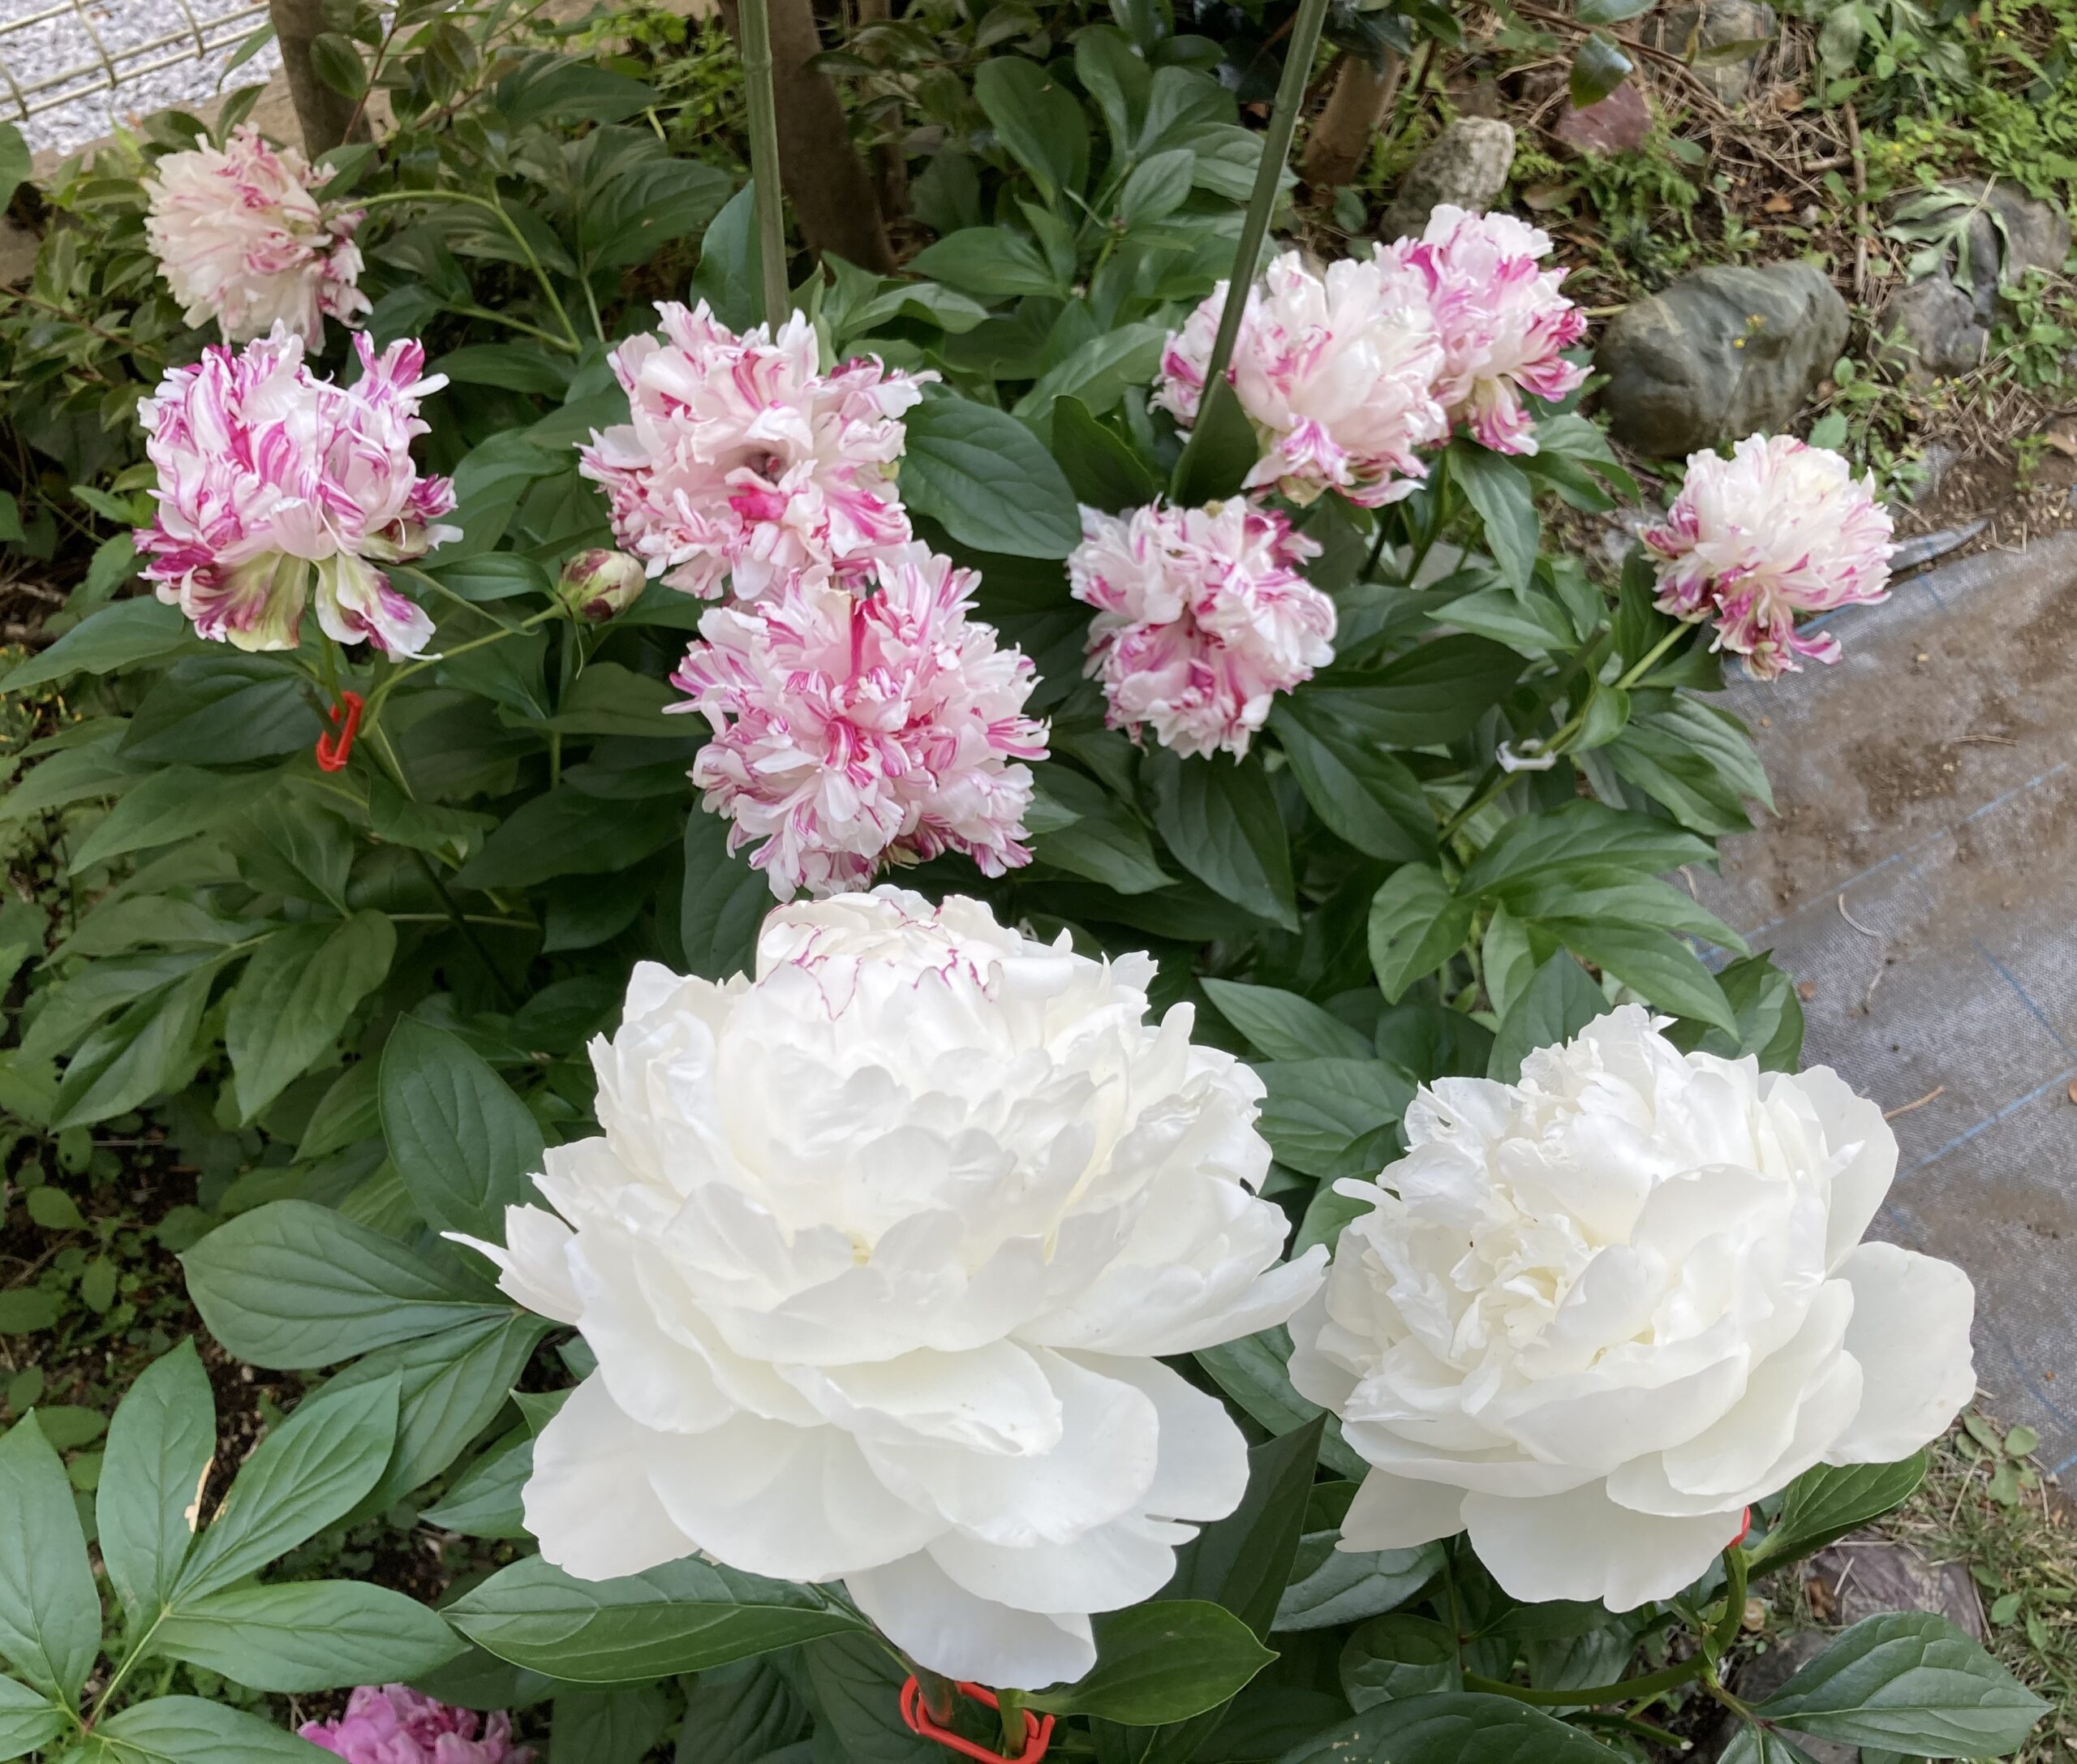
{"type": "Point", "coordinates": [272, 480]}
{"type": "Point", "coordinates": [1503, 323]}
{"type": "Point", "coordinates": [241, 236]}
{"type": "Point", "coordinates": [743, 462]}
{"type": "Point", "coordinates": [394, 1724]}
{"type": "Point", "coordinates": [1202, 618]}
{"type": "Point", "coordinates": [1779, 528]}
{"type": "Point", "coordinates": [855, 731]}
{"type": "Point", "coordinates": [1336, 371]}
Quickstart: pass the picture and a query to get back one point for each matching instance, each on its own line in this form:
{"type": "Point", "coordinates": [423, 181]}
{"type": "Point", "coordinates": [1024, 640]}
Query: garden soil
{"type": "Point", "coordinates": [1920, 882]}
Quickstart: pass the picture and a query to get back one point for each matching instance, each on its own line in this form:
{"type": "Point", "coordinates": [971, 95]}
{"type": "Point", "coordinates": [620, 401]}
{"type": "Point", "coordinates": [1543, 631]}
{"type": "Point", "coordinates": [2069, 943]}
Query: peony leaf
{"type": "Point", "coordinates": [1452, 1727]}
{"type": "Point", "coordinates": [123, 635]}
{"type": "Point", "coordinates": [1828, 1501]}
{"type": "Point", "coordinates": [1102, 467]}
{"type": "Point", "coordinates": [744, 1714]}
{"type": "Point", "coordinates": [1436, 693]}
{"type": "Point", "coordinates": [218, 710]}
{"type": "Point", "coordinates": [28, 1720]}
{"type": "Point", "coordinates": [465, 1145]}
{"type": "Point", "coordinates": [1912, 1683]}
{"type": "Point", "coordinates": [1331, 1587]}
{"type": "Point", "coordinates": [1282, 1025]}
{"type": "Point", "coordinates": [1220, 818]}
{"type": "Point", "coordinates": [148, 1508]}
{"type": "Point", "coordinates": [306, 1635]}
{"type": "Point", "coordinates": [1501, 493]}
{"type": "Point", "coordinates": [1396, 1657]}
{"type": "Point", "coordinates": [190, 1730]}
{"type": "Point", "coordinates": [617, 1726]}
{"type": "Point", "coordinates": [1222, 449]}
{"type": "Point", "coordinates": [1598, 68]}
{"type": "Point", "coordinates": [683, 1617]}
{"type": "Point", "coordinates": [1319, 1115]}
{"type": "Point", "coordinates": [1557, 1004]}
{"type": "Point", "coordinates": [1581, 833]}
{"type": "Point", "coordinates": [295, 997]}
{"type": "Point", "coordinates": [987, 479]}
{"type": "Point", "coordinates": [1361, 792]}
{"type": "Point", "coordinates": [49, 1612]}
{"type": "Point", "coordinates": [1656, 964]}
{"type": "Point", "coordinates": [723, 903]}
{"type": "Point", "coordinates": [1039, 119]}
{"type": "Point", "coordinates": [1162, 1662]}
{"type": "Point", "coordinates": [484, 1500]}
{"type": "Point", "coordinates": [1416, 924]}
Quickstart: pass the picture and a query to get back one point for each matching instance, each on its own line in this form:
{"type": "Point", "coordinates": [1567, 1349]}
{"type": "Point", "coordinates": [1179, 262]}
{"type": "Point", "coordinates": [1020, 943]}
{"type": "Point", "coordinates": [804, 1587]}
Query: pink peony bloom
{"type": "Point", "coordinates": [242, 237]}
{"type": "Point", "coordinates": [742, 461]}
{"type": "Point", "coordinates": [394, 1724]}
{"type": "Point", "coordinates": [1335, 371]}
{"type": "Point", "coordinates": [1779, 528]}
{"type": "Point", "coordinates": [1201, 619]}
{"type": "Point", "coordinates": [271, 479]}
{"type": "Point", "coordinates": [1503, 321]}
{"type": "Point", "coordinates": [852, 732]}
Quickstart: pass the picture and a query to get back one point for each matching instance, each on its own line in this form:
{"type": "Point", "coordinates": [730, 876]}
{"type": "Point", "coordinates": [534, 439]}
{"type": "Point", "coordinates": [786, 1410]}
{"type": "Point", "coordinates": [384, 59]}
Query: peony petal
{"type": "Point", "coordinates": [1910, 1332]}
{"type": "Point", "coordinates": [589, 1501]}
{"type": "Point", "coordinates": [1581, 1545]}
{"type": "Point", "coordinates": [1202, 1472]}
{"type": "Point", "coordinates": [533, 1266]}
{"type": "Point", "coordinates": [1395, 1512]}
{"type": "Point", "coordinates": [1106, 1569]}
{"type": "Point", "coordinates": [1860, 1185]}
{"type": "Point", "coordinates": [940, 1625]}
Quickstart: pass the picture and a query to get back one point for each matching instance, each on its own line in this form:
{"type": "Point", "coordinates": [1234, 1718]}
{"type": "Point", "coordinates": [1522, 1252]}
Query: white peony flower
{"type": "Point", "coordinates": [1597, 1314]}
{"type": "Point", "coordinates": [876, 1253]}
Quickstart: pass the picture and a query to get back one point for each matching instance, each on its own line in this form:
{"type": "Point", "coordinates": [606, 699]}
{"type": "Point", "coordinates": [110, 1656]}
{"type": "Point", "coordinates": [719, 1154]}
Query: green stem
{"type": "Point", "coordinates": [1651, 657]}
{"type": "Point", "coordinates": [1440, 484]}
{"type": "Point", "coordinates": [1012, 1714]}
{"type": "Point", "coordinates": [1254, 227]}
{"type": "Point", "coordinates": [754, 20]}
{"type": "Point", "coordinates": [521, 325]}
{"type": "Point", "coordinates": [460, 922]}
{"type": "Point", "coordinates": [490, 205]}
{"type": "Point", "coordinates": [1726, 1632]}
{"type": "Point", "coordinates": [1495, 777]}
{"type": "Point", "coordinates": [375, 698]}
{"type": "Point", "coordinates": [1627, 1690]}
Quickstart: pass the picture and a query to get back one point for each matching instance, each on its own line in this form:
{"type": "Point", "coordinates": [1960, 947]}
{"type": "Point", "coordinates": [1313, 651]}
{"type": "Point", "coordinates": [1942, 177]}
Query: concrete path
{"type": "Point", "coordinates": [1921, 885]}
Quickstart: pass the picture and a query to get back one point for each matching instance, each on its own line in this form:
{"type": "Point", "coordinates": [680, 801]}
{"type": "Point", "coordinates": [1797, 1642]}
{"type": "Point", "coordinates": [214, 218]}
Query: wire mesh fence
{"type": "Point", "coordinates": [68, 68]}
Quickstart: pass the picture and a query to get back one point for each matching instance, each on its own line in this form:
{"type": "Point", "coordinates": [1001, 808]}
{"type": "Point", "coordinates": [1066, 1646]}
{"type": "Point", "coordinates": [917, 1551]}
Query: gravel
{"type": "Point", "coordinates": [151, 45]}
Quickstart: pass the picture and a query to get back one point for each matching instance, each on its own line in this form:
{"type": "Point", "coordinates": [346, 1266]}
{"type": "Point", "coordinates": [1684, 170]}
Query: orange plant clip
{"type": "Point", "coordinates": [333, 751]}
{"type": "Point", "coordinates": [1037, 1733]}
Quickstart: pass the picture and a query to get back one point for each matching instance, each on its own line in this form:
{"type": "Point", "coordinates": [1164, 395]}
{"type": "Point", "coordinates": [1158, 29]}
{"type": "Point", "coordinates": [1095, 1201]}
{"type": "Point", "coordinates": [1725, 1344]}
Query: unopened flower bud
{"type": "Point", "coordinates": [596, 584]}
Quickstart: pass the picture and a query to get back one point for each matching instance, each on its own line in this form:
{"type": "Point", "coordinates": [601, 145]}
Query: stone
{"type": "Point", "coordinates": [1615, 124]}
{"type": "Point", "coordinates": [2027, 233]}
{"type": "Point", "coordinates": [1466, 166]}
{"type": "Point", "coordinates": [1724, 352]}
{"type": "Point", "coordinates": [1865, 1576]}
{"type": "Point", "coordinates": [1703, 25]}
{"type": "Point", "coordinates": [1930, 329]}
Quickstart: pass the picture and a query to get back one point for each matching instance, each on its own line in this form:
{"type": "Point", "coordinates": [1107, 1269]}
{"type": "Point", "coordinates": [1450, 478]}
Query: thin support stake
{"type": "Point", "coordinates": [755, 20]}
{"type": "Point", "coordinates": [1269, 173]}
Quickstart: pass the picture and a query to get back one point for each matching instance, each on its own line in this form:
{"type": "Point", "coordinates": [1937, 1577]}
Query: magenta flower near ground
{"type": "Point", "coordinates": [1779, 528]}
{"type": "Point", "coordinates": [1503, 321]}
{"type": "Point", "coordinates": [241, 236]}
{"type": "Point", "coordinates": [393, 1725]}
{"type": "Point", "coordinates": [743, 464]}
{"type": "Point", "coordinates": [1335, 369]}
{"type": "Point", "coordinates": [272, 482]}
{"type": "Point", "coordinates": [852, 732]}
{"type": "Point", "coordinates": [1202, 618]}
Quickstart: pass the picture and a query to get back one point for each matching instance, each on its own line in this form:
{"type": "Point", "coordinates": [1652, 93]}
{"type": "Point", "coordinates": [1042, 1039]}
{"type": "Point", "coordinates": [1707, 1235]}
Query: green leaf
{"type": "Point", "coordinates": [609, 1726]}
{"type": "Point", "coordinates": [1529, 622]}
{"type": "Point", "coordinates": [1222, 449]}
{"type": "Point", "coordinates": [495, 576]}
{"type": "Point", "coordinates": [1500, 491]}
{"type": "Point", "coordinates": [742, 1714]}
{"type": "Point", "coordinates": [1330, 1586]}
{"type": "Point", "coordinates": [1598, 68]}
{"type": "Point", "coordinates": [683, 1617]}
{"type": "Point", "coordinates": [1158, 185]}
{"type": "Point", "coordinates": [854, 1687]}
{"type": "Point", "coordinates": [1253, 1372]}
{"type": "Point", "coordinates": [307, 1473]}
{"type": "Point", "coordinates": [465, 1145]}
{"type": "Point", "coordinates": [1282, 1025]}
{"type": "Point", "coordinates": [146, 1510]}
{"type": "Point", "coordinates": [1361, 792]}
{"type": "Point", "coordinates": [176, 803]}
{"type": "Point", "coordinates": [1320, 1115]}
{"type": "Point", "coordinates": [1099, 373]}
{"type": "Point", "coordinates": [569, 91]}
{"type": "Point", "coordinates": [117, 637]}
{"type": "Point", "coordinates": [14, 163]}
{"type": "Point", "coordinates": [987, 479]}
{"type": "Point", "coordinates": [724, 902]}
{"type": "Point", "coordinates": [995, 262]}
{"type": "Point", "coordinates": [484, 1500]}
{"type": "Point", "coordinates": [1416, 924]}
{"type": "Point", "coordinates": [292, 1285]}
{"type": "Point", "coordinates": [1104, 841]}
{"type": "Point", "coordinates": [27, 1719]}
{"type": "Point", "coordinates": [306, 1635]}
{"type": "Point", "coordinates": [1452, 1727]}
{"type": "Point", "coordinates": [288, 843]}
{"type": "Point", "coordinates": [1560, 839]}
{"type": "Point", "coordinates": [1219, 818]}
{"type": "Point", "coordinates": [1162, 1662]}
{"type": "Point", "coordinates": [143, 1052]}
{"type": "Point", "coordinates": [336, 60]}
{"type": "Point", "coordinates": [1654, 963]}
{"type": "Point", "coordinates": [220, 710]}
{"type": "Point", "coordinates": [1437, 692]}
{"type": "Point", "coordinates": [49, 1613]}
{"type": "Point", "coordinates": [609, 700]}
{"type": "Point", "coordinates": [297, 992]}
{"type": "Point", "coordinates": [1103, 468]}
{"type": "Point", "coordinates": [1037, 120]}
{"type": "Point", "coordinates": [566, 832]}
{"type": "Point", "coordinates": [1911, 1682]}
{"type": "Point", "coordinates": [1609, 12]}
{"type": "Point", "coordinates": [1397, 1657]}
{"type": "Point", "coordinates": [1769, 1015]}
{"type": "Point", "coordinates": [1557, 1004]}
{"type": "Point", "coordinates": [187, 1729]}
{"type": "Point", "coordinates": [1827, 1502]}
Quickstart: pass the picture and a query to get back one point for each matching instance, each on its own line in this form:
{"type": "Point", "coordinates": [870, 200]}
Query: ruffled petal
{"type": "Point", "coordinates": [939, 1625]}
{"type": "Point", "coordinates": [1910, 1332]}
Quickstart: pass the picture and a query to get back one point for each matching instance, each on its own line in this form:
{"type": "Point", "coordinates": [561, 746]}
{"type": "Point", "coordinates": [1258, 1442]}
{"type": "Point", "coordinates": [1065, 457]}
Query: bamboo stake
{"type": "Point", "coordinates": [756, 23]}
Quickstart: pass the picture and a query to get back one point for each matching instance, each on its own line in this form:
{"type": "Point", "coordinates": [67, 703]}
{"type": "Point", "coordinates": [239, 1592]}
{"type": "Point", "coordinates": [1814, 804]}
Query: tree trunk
{"type": "Point", "coordinates": [890, 164]}
{"type": "Point", "coordinates": [324, 114]}
{"type": "Point", "coordinates": [833, 197]}
{"type": "Point", "coordinates": [1356, 109]}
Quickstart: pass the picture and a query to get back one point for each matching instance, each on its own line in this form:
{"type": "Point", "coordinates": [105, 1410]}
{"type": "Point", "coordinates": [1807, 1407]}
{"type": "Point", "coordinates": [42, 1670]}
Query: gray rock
{"type": "Point", "coordinates": [2026, 234]}
{"type": "Point", "coordinates": [1722, 353]}
{"type": "Point", "coordinates": [1870, 1575]}
{"type": "Point", "coordinates": [1467, 165]}
{"type": "Point", "coordinates": [1702, 25]}
{"type": "Point", "coordinates": [1930, 329]}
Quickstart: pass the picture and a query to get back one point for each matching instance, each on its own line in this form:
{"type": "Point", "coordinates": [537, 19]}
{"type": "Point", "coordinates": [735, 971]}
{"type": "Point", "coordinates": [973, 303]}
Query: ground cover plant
{"type": "Point", "coordinates": [912, 1011]}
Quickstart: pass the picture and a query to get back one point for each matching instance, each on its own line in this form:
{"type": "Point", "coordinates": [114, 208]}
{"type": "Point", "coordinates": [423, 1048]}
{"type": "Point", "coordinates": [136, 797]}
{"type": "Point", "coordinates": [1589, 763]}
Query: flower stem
{"type": "Point", "coordinates": [1255, 226]}
{"type": "Point", "coordinates": [490, 205]}
{"type": "Point", "coordinates": [1726, 1631]}
{"type": "Point", "coordinates": [753, 18]}
{"type": "Point", "coordinates": [1011, 1705]}
{"type": "Point", "coordinates": [1627, 1690]}
{"type": "Point", "coordinates": [1650, 658]}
